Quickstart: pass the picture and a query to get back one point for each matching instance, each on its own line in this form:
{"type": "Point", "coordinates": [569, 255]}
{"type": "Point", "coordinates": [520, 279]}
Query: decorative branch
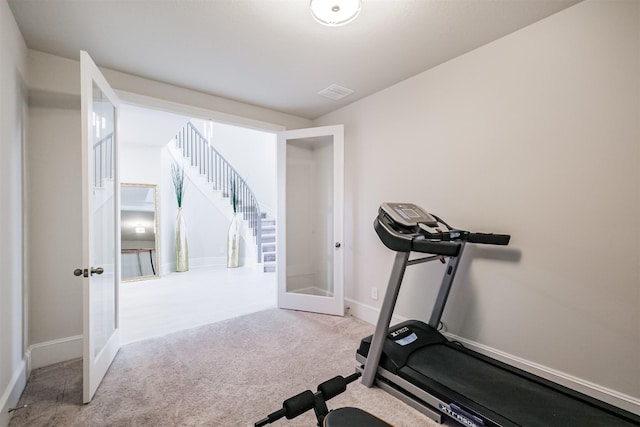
{"type": "Point", "coordinates": [177, 175]}
{"type": "Point", "coordinates": [234, 196]}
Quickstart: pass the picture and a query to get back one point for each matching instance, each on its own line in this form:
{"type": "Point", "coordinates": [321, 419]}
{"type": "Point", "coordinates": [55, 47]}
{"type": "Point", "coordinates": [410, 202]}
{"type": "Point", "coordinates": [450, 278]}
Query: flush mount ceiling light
{"type": "Point", "coordinates": [334, 13]}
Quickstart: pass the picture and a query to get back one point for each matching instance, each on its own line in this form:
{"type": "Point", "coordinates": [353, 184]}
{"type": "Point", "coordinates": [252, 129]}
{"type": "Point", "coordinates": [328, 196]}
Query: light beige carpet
{"type": "Point", "coordinates": [231, 373]}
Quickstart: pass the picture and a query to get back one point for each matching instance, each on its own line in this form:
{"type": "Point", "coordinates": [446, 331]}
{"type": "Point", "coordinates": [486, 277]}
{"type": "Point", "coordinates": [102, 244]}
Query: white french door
{"type": "Point", "coordinates": [310, 246]}
{"type": "Point", "coordinates": [100, 225]}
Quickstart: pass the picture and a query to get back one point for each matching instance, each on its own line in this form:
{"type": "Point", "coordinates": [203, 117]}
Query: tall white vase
{"type": "Point", "coordinates": [182, 249]}
{"type": "Point", "coordinates": [233, 242]}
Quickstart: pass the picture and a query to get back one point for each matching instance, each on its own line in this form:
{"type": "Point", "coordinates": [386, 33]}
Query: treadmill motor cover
{"type": "Point", "coordinates": [403, 339]}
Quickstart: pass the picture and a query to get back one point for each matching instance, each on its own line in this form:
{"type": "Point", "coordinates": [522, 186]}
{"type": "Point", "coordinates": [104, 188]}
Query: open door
{"type": "Point", "coordinates": [100, 225]}
{"type": "Point", "coordinates": [310, 219]}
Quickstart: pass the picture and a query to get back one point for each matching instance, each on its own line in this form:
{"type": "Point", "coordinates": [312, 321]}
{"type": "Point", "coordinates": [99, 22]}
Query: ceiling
{"type": "Point", "coordinates": [272, 53]}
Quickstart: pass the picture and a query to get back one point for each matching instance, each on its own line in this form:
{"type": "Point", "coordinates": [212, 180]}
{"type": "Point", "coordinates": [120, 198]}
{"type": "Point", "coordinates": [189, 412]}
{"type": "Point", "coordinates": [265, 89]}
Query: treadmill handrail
{"type": "Point", "coordinates": [415, 242]}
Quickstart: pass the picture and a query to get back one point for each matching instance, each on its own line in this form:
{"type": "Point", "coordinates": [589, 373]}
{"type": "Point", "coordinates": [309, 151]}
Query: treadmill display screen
{"type": "Point", "coordinates": [408, 213]}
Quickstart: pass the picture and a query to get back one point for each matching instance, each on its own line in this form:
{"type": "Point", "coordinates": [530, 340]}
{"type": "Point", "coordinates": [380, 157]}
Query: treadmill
{"type": "Point", "coordinates": [416, 363]}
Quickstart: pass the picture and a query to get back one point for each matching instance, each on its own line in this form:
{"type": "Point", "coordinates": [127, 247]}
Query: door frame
{"type": "Point", "coordinates": [167, 106]}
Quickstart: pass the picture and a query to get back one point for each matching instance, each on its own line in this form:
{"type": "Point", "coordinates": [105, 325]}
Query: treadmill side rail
{"type": "Point", "coordinates": [445, 287]}
{"type": "Point", "coordinates": [384, 319]}
{"type": "Point", "coordinates": [425, 404]}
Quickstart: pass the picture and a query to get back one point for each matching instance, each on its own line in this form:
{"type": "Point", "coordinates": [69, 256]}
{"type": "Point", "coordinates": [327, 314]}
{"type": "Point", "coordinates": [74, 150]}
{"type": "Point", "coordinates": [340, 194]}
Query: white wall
{"type": "Point", "coordinates": [537, 135]}
{"type": "Point", "coordinates": [54, 220]}
{"type": "Point", "coordinates": [140, 164]}
{"type": "Point", "coordinates": [13, 370]}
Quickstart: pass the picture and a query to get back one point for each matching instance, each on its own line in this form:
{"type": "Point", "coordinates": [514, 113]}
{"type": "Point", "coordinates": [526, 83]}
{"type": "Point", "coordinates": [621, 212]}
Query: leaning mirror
{"type": "Point", "coordinates": [139, 232]}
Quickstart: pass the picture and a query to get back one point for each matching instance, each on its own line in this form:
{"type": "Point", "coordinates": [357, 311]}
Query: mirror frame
{"type": "Point", "coordinates": [157, 232]}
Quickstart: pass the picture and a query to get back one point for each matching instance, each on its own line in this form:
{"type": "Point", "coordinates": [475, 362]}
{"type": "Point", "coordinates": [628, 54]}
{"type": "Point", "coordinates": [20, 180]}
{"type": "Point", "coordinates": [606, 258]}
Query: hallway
{"type": "Point", "coordinates": [197, 297]}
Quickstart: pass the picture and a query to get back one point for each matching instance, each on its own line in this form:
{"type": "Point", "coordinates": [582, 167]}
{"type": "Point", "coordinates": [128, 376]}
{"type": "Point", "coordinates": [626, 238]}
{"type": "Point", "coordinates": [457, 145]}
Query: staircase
{"type": "Point", "coordinates": [218, 172]}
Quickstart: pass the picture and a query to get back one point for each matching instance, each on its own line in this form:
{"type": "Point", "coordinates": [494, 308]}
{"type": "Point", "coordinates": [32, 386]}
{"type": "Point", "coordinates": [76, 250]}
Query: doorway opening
{"type": "Point", "coordinates": [155, 299]}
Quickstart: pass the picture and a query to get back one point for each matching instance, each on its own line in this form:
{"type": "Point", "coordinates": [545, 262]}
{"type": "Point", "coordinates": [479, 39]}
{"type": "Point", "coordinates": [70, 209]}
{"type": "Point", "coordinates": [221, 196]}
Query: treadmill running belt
{"type": "Point", "coordinates": [514, 397]}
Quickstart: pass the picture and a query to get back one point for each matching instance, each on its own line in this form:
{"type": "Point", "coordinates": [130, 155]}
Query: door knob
{"type": "Point", "coordinates": [85, 272]}
{"type": "Point", "coordinates": [338, 244]}
{"type": "Point", "coordinates": [98, 270]}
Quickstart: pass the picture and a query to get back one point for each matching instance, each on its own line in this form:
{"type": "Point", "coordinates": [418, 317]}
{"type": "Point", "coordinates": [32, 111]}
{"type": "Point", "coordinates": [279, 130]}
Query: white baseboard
{"type": "Point", "coordinates": [370, 315]}
{"type": "Point", "coordinates": [56, 351]}
{"type": "Point", "coordinates": [207, 262]}
{"type": "Point", "coordinates": [203, 262]}
{"type": "Point", "coordinates": [170, 267]}
{"type": "Point", "coordinates": [367, 313]}
{"type": "Point", "coordinates": [604, 394]}
{"type": "Point", "coordinates": [11, 394]}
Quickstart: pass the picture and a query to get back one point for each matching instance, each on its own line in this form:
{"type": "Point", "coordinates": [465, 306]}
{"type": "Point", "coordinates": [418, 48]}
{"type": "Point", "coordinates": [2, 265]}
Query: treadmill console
{"type": "Point", "coordinates": [408, 214]}
{"type": "Point", "coordinates": [405, 227]}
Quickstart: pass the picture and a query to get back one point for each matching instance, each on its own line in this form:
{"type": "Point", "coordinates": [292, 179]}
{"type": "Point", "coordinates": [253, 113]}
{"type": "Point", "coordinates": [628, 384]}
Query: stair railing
{"type": "Point", "coordinates": [103, 160]}
{"type": "Point", "coordinates": [218, 171]}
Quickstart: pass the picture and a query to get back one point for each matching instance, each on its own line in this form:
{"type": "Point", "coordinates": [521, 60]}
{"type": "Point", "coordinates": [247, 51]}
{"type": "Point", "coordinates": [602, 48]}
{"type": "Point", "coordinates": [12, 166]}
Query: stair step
{"type": "Point", "coordinates": [269, 268]}
{"type": "Point", "coordinates": [269, 247]}
{"type": "Point", "coordinates": [269, 257]}
{"type": "Point", "coordinates": [268, 239]}
{"type": "Point", "coordinates": [268, 223]}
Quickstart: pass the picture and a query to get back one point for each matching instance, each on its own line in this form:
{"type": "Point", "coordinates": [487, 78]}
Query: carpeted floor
{"type": "Point", "coordinates": [231, 373]}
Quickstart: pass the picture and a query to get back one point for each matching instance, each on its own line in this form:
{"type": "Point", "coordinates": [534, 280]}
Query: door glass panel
{"type": "Point", "coordinates": [102, 205]}
{"type": "Point", "coordinates": [309, 216]}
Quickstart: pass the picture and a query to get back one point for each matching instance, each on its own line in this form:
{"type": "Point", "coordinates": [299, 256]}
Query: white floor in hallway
{"type": "Point", "coordinates": [179, 301]}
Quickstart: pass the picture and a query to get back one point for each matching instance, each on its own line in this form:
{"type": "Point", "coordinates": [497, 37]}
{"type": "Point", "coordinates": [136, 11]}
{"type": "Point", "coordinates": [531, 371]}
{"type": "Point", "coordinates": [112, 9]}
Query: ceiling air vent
{"type": "Point", "coordinates": [335, 92]}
